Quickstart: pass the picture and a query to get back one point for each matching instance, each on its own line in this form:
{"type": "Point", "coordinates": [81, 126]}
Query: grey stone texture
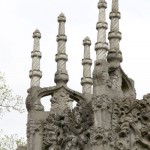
{"type": "Point", "coordinates": [107, 118]}
{"type": "Point", "coordinates": [22, 148]}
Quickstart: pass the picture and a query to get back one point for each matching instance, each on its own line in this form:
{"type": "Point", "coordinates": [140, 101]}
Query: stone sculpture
{"type": "Point", "coordinates": [109, 118]}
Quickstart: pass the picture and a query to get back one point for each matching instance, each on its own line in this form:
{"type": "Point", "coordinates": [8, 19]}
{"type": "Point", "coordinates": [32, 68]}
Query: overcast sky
{"type": "Point", "coordinates": [18, 20]}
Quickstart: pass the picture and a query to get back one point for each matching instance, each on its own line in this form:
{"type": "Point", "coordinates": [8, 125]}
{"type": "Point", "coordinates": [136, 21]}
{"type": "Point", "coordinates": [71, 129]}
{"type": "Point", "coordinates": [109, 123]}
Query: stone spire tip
{"type": "Point", "coordinates": [102, 4]}
{"type": "Point", "coordinates": [37, 33]}
{"type": "Point", "coordinates": [61, 17]}
{"type": "Point", "coordinates": [102, 1]}
{"type": "Point", "coordinates": [87, 41]}
{"type": "Point", "coordinates": [87, 38]}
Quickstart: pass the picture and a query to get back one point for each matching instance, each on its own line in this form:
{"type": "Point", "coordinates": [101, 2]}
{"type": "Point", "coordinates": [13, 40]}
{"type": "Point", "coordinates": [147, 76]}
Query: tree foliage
{"type": "Point", "coordinates": [8, 101]}
{"type": "Point", "coordinates": [11, 142]}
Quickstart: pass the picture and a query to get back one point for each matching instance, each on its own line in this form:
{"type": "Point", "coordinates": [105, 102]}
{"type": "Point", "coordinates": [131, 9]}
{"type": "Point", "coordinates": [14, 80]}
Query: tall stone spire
{"type": "Point", "coordinates": [114, 36]}
{"type": "Point", "coordinates": [86, 81]}
{"type": "Point", "coordinates": [35, 74]}
{"type": "Point", "coordinates": [61, 76]}
{"type": "Point", "coordinates": [101, 46]}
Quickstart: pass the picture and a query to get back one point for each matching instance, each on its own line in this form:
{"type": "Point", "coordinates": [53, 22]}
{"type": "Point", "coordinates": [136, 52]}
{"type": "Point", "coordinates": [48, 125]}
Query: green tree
{"type": "Point", "coordinates": [8, 101]}
{"type": "Point", "coordinates": [11, 142]}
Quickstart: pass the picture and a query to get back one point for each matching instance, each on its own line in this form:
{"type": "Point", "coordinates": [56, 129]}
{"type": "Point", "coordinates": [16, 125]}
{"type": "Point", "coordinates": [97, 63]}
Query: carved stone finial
{"type": "Point", "coordinates": [62, 18]}
{"type": "Point", "coordinates": [114, 56]}
{"type": "Point", "coordinates": [35, 73]}
{"type": "Point", "coordinates": [86, 81]}
{"type": "Point", "coordinates": [102, 4]}
{"type": "Point", "coordinates": [36, 34]}
{"type": "Point", "coordinates": [61, 76]}
{"type": "Point", "coordinates": [101, 46]}
{"type": "Point", "coordinates": [87, 41]}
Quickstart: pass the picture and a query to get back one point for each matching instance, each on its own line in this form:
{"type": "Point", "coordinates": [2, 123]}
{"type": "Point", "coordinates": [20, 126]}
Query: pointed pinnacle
{"type": "Point", "coordinates": [37, 31]}
{"type": "Point", "coordinates": [102, 4]}
{"type": "Point", "coordinates": [37, 34]}
{"type": "Point", "coordinates": [87, 41]}
{"type": "Point", "coordinates": [102, 1]}
{"type": "Point", "coordinates": [86, 38]}
{"type": "Point", "coordinates": [61, 17]}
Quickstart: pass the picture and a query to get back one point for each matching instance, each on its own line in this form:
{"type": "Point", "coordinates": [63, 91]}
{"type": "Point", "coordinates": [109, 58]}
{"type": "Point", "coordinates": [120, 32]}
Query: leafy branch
{"type": "Point", "coordinates": [8, 101]}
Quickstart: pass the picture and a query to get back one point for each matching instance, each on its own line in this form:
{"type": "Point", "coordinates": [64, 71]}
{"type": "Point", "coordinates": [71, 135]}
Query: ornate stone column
{"type": "Point", "coordinates": [35, 74]}
{"type": "Point", "coordinates": [102, 107]}
{"type": "Point", "coordinates": [86, 81]}
{"type": "Point", "coordinates": [114, 54]}
{"type": "Point", "coordinates": [101, 46]}
{"type": "Point", "coordinates": [33, 104]}
{"type": "Point", "coordinates": [35, 134]}
{"type": "Point", "coordinates": [101, 135]}
{"type": "Point", "coordinates": [61, 76]}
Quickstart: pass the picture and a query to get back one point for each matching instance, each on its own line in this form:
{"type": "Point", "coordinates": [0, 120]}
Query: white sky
{"type": "Point", "coordinates": [18, 20]}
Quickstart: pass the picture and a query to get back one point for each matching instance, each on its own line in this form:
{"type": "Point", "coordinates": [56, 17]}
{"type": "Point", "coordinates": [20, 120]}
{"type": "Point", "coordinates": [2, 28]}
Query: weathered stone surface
{"type": "Point", "coordinates": [109, 118]}
{"type": "Point", "coordinates": [21, 148]}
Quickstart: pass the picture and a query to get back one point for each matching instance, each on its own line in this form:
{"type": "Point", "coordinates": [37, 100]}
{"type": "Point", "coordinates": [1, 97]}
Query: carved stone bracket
{"type": "Point", "coordinates": [33, 100]}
